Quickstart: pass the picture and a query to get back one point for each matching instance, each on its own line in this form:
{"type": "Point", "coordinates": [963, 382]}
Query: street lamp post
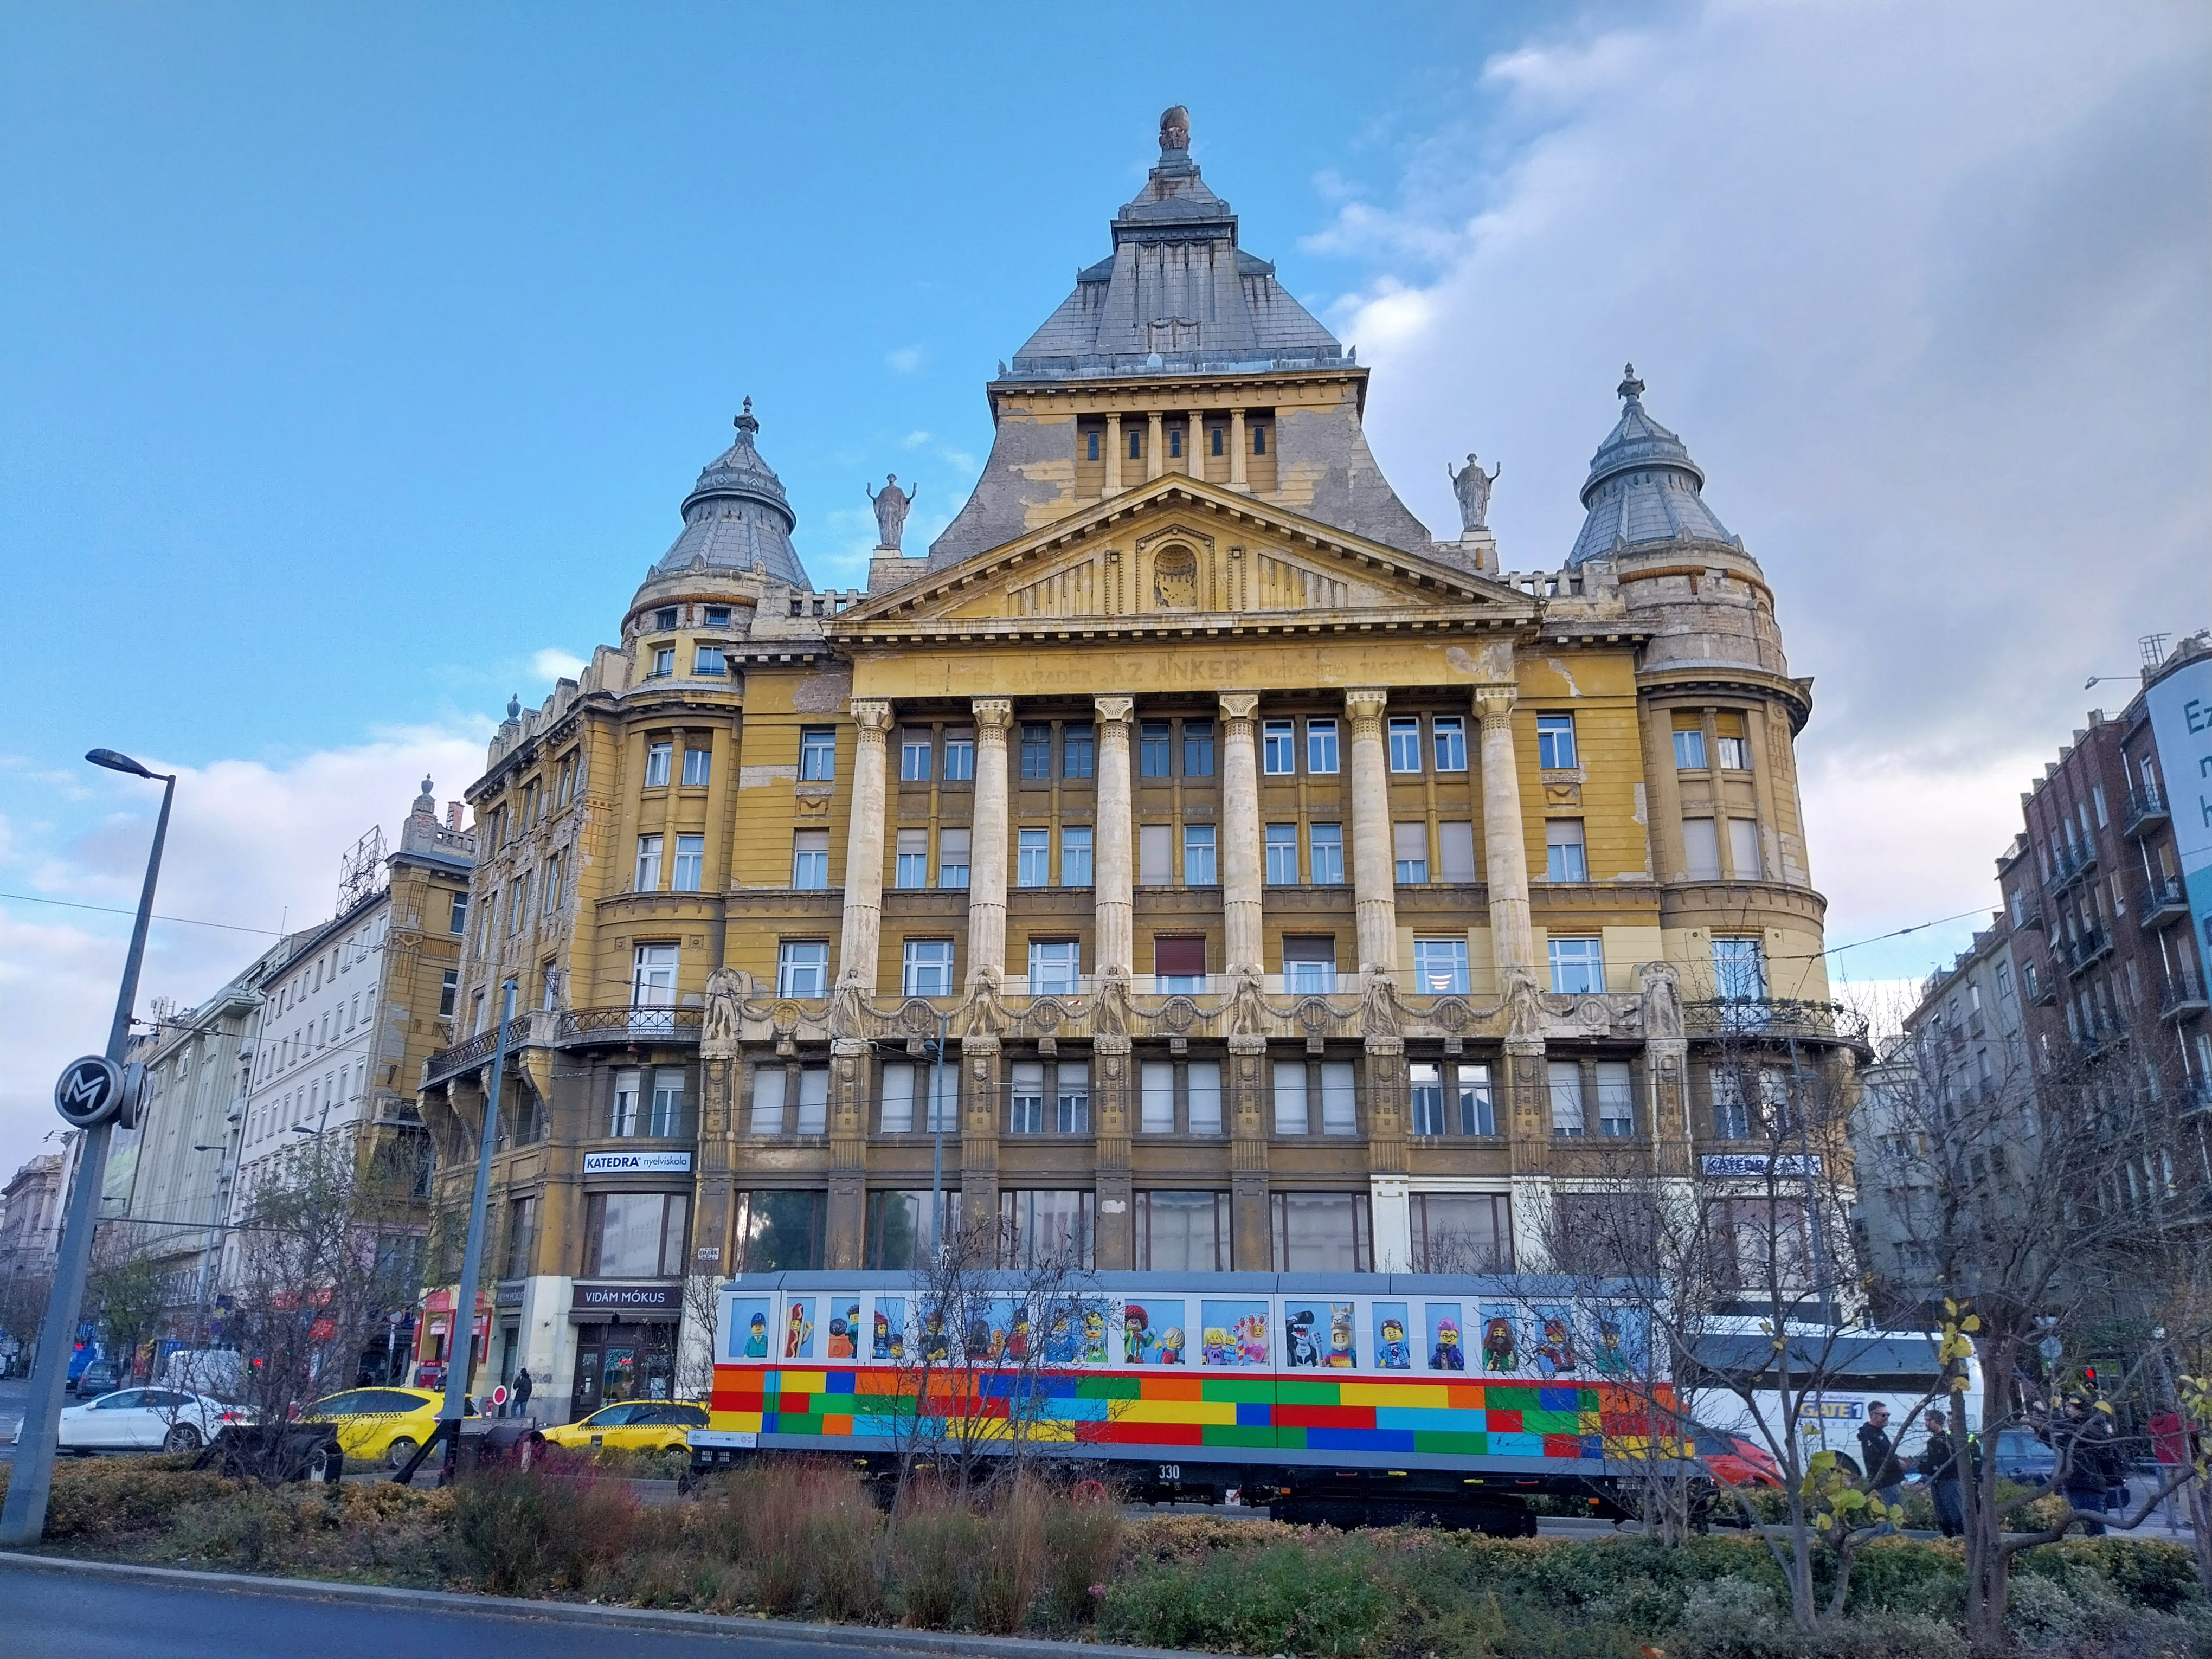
{"type": "Point", "coordinates": [23, 1519]}
{"type": "Point", "coordinates": [461, 1353]}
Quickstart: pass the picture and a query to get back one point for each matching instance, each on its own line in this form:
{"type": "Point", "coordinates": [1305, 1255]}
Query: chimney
{"type": "Point", "coordinates": [452, 815]}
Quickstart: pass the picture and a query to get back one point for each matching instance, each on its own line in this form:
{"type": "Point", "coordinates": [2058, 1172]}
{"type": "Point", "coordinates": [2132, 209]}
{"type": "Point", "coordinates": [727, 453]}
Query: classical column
{"type": "Point", "coordinates": [1504, 844]}
{"type": "Point", "coordinates": [1374, 869]}
{"type": "Point", "coordinates": [1237, 479]}
{"type": "Point", "coordinates": [1112, 876]}
{"type": "Point", "coordinates": [864, 849]}
{"type": "Point", "coordinates": [986, 854]}
{"type": "Point", "coordinates": [1155, 448]}
{"type": "Point", "coordinates": [1240, 835]}
{"type": "Point", "coordinates": [1113, 454]}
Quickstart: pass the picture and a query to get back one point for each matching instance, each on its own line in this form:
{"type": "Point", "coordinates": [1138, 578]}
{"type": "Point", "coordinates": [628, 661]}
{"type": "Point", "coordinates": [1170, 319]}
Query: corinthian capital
{"type": "Point", "coordinates": [992, 715]}
{"type": "Point", "coordinates": [872, 714]}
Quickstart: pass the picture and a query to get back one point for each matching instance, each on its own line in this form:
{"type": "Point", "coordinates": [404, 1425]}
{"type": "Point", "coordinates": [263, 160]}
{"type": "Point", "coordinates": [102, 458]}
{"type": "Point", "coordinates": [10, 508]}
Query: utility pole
{"type": "Point", "coordinates": [460, 1359]}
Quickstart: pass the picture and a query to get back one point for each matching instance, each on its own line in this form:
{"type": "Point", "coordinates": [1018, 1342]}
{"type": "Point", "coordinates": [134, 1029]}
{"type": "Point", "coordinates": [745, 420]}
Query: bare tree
{"type": "Point", "coordinates": [2046, 1228]}
{"type": "Point", "coordinates": [126, 1293]}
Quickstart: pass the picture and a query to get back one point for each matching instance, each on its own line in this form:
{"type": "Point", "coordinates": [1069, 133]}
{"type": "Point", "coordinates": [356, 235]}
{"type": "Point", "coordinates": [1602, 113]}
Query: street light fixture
{"type": "Point", "coordinates": [23, 1518]}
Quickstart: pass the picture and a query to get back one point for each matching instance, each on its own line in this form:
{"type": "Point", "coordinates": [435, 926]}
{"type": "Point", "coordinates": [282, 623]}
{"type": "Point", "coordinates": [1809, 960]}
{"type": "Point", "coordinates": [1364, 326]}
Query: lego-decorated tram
{"type": "Point", "coordinates": [1372, 1397]}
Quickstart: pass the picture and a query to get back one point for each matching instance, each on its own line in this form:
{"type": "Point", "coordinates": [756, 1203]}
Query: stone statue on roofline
{"type": "Point", "coordinates": [1472, 485]}
{"type": "Point", "coordinates": [1175, 128]}
{"type": "Point", "coordinates": [891, 504]}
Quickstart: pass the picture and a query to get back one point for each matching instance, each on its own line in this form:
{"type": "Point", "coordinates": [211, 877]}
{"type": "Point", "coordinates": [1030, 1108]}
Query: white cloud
{"type": "Point", "coordinates": [906, 360]}
{"type": "Point", "coordinates": [1922, 289]}
{"type": "Point", "coordinates": [553, 664]}
{"type": "Point", "coordinates": [251, 844]}
{"type": "Point", "coordinates": [914, 440]}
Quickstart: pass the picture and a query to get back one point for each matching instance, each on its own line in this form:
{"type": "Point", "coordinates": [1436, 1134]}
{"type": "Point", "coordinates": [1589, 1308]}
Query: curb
{"type": "Point", "coordinates": [874, 1638]}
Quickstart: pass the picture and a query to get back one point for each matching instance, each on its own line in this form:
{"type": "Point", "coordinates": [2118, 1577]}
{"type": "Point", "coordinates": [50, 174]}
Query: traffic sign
{"type": "Point", "coordinates": [90, 1092]}
{"type": "Point", "coordinates": [498, 1394]}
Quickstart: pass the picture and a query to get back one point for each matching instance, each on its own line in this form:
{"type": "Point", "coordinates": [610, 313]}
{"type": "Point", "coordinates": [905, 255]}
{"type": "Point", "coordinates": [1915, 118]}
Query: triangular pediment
{"type": "Point", "coordinates": [1179, 553]}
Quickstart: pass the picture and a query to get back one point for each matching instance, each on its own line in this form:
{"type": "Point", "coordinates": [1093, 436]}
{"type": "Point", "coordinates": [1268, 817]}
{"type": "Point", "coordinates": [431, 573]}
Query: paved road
{"type": "Point", "coordinates": [55, 1615]}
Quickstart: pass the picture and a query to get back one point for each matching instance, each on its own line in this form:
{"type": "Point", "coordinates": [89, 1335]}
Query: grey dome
{"type": "Point", "coordinates": [737, 517]}
{"type": "Point", "coordinates": [1643, 486]}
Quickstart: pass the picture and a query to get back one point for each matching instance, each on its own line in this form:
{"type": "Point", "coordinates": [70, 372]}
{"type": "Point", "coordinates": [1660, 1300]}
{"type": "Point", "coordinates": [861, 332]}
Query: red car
{"type": "Point", "coordinates": [1732, 1460]}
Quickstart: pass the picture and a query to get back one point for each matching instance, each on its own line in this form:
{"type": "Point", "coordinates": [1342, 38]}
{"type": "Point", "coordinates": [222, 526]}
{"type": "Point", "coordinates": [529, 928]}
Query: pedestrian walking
{"type": "Point", "coordinates": [1884, 1474]}
{"type": "Point", "coordinates": [522, 1392]}
{"type": "Point", "coordinates": [2082, 1439]}
{"type": "Point", "coordinates": [1939, 1468]}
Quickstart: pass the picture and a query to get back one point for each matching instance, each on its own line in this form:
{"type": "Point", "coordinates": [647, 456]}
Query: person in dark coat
{"type": "Point", "coordinates": [522, 1392]}
{"type": "Point", "coordinates": [2082, 1439]}
{"type": "Point", "coordinates": [1939, 1468]}
{"type": "Point", "coordinates": [1883, 1474]}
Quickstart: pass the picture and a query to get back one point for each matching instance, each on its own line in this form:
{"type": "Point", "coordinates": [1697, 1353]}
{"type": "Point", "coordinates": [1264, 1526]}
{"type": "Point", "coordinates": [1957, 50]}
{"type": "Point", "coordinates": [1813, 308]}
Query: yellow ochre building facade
{"type": "Point", "coordinates": [1291, 889]}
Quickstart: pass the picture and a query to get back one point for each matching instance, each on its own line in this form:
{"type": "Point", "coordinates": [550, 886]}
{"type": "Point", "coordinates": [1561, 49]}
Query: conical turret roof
{"type": "Point", "coordinates": [1642, 485]}
{"type": "Point", "coordinates": [737, 516]}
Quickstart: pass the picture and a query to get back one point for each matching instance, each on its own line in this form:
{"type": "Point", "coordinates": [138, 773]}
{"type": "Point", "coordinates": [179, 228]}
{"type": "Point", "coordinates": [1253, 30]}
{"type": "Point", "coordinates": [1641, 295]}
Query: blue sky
{"type": "Point", "coordinates": [357, 358]}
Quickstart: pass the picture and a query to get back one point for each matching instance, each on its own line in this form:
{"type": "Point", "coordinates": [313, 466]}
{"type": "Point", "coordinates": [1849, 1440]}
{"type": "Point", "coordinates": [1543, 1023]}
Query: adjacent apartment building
{"type": "Point", "coordinates": [1290, 888]}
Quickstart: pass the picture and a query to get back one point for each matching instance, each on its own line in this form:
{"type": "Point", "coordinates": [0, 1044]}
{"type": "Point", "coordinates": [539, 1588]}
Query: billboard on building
{"type": "Point", "coordinates": [2181, 720]}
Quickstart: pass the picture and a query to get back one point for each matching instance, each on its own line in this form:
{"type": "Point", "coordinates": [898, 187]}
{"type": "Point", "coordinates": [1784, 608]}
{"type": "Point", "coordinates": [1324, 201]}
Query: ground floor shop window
{"type": "Point", "coordinates": [1321, 1233]}
{"type": "Point", "coordinates": [780, 1229]}
{"type": "Point", "coordinates": [1043, 1226]}
{"type": "Point", "coordinates": [902, 1227]}
{"type": "Point", "coordinates": [1183, 1231]}
{"type": "Point", "coordinates": [628, 1360]}
{"type": "Point", "coordinates": [1463, 1233]}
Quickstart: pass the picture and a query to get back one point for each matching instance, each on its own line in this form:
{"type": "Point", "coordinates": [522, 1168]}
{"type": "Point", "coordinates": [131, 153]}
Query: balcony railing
{"type": "Point", "coordinates": [2164, 900]}
{"type": "Point", "coordinates": [2146, 809]}
{"type": "Point", "coordinates": [584, 1026]}
{"type": "Point", "coordinates": [2069, 864]}
{"type": "Point", "coordinates": [1778, 1017]}
{"type": "Point", "coordinates": [2182, 995]}
{"type": "Point", "coordinates": [467, 1056]}
{"type": "Point", "coordinates": [2077, 953]}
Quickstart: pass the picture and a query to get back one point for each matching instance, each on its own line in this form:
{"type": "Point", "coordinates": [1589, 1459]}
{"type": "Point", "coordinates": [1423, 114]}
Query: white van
{"type": "Point", "coordinates": [213, 1371]}
{"type": "Point", "coordinates": [1857, 1367]}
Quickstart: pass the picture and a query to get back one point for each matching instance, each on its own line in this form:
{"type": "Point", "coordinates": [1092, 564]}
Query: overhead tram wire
{"type": "Point", "coordinates": [112, 911]}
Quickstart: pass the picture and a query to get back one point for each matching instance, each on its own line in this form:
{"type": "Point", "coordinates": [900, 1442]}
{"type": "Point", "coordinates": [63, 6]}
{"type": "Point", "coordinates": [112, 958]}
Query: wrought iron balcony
{"type": "Point", "coordinates": [2077, 953]}
{"type": "Point", "coordinates": [476, 1051]}
{"type": "Point", "coordinates": [2070, 864]}
{"type": "Point", "coordinates": [588, 1027]}
{"type": "Point", "coordinates": [2146, 809]}
{"type": "Point", "coordinates": [2164, 900]}
{"type": "Point", "coordinates": [1776, 1017]}
{"type": "Point", "coordinates": [2182, 995]}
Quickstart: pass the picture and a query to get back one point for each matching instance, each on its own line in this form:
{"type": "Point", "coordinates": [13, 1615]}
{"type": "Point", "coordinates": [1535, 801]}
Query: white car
{"type": "Point", "coordinates": [145, 1419]}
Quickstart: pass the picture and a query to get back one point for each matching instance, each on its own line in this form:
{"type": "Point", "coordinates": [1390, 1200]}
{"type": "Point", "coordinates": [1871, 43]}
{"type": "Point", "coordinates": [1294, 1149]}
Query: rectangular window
{"type": "Point", "coordinates": [1477, 1115]}
{"type": "Point", "coordinates": [1339, 1099]}
{"type": "Point", "coordinates": [552, 899]}
{"type": "Point", "coordinates": [698, 768]}
{"type": "Point", "coordinates": [1072, 1104]}
{"type": "Point", "coordinates": [1282, 855]}
{"type": "Point", "coordinates": [1461, 1232]}
{"type": "Point", "coordinates": [518, 905]}
{"type": "Point", "coordinates": [1290, 1115]}
{"type": "Point", "coordinates": [1564, 857]}
{"type": "Point", "coordinates": [1179, 964]}
{"type": "Point", "coordinates": [912, 868]}
{"type": "Point", "coordinates": [1689, 748]}
{"type": "Point", "coordinates": [1153, 749]}
{"type": "Point", "coordinates": [814, 1100]}
{"type": "Point", "coordinates": [1259, 440]}
{"type": "Point", "coordinates": [1202, 1087]}
{"type": "Point", "coordinates": [1701, 849]}
{"type": "Point", "coordinates": [1321, 1233]}
{"type": "Point", "coordinates": [1156, 1093]}
{"type": "Point", "coordinates": [1155, 854]}
{"type": "Point", "coordinates": [897, 1096]}
{"type": "Point", "coordinates": [448, 990]}
{"type": "Point", "coordinates": [1309, 962]}
{"type": "Point", "coordinates": [1078, 751]}
{"type": "Point", "coordinates": [1440, 967]}
{"type": "Point", "coordinates": [1565, 1077]}
{"type": "Point", "coordinates": [1036, 751]}
{"type": "Point", "coordinates": [1182, 1231]}
{"type": "Point", "coordinates": [952, 858]}
{"type": "Point", "coordinates": [1175, 442]}
{"type": "Point", "coordinates": [521, 1236]}
{"type": "Point", "coordinates": [810, 859]}
{"type": "Point", "coordinates": [1555, 742]}
{"type": "Point", "coordinates": [1055, 967]}
{"type": "Point", "coordinates": [1090, 450]}
{"type": "Point", "coordinates": [1198, 749]}
{"type": "Point", "coordinates": [817, 754]}
{"type": "Point", "coordinates": [663, 662]}
{"type": "Point", "coordinates": [1033, 859]}
{"type": "Point", "coordinates": [1577, 966]}
{"type": "Point", "coordinates": [1426, 1081]}
{"type": "Point", "coordinates": [1075, 855]}
{"type": "Point", "coordinates": [1198, 869]}
{"type": "Point", "coordinates": [665, 1121]}
{"type": "Point", "coordinates": [1455, 851]}
{"type": "Point", "coordinates": [633, 1235]}
{"type": "Point", "coordinates": [648, 865]}
{"type": "Point", "coordinates": [915, 749]}
{"type": "Point", "coordinates": [1025, 1092]}
{"type": "Point", "coordinates": [769, 1087]}
{"type": "Point", "coordinates": [708, 662]}
{"type": "Point", "coordinates": [928, 969]}
{"type": "Point", "coordinates": [691, 859]}
{"type": "Point", "coordinates": [1451, 743]}
{"type": "Point", "coordinates": [1136, 446]}
{"type": "Point", "coordinates": [1740, 967]}
{"type": "Point", "coordinates": [652, 981]}
{"type": "Point", "coordinates": [1731, 1112]}
{"type": "Point", "coordinates": [781, 1231]}
{"type": "Point", "coordinates": [717, 616]}
{"type": "Point", "coordinates": [1743, 848]}
{"type": "Point", "coordinates": [902, 1227]}
{"type": "Point", "coordinates": [802, 968]}
{"type": "Point", "coordinates": [1044, 1227]}
{"type": "Point", "coordinates": [1325, 854]}
{"type": "Point", "coordinates": [1616, 1099]}
{"type": "Point", "coordinates": [1278, 747]}
{"type": "Point", "coordinates": [1410, 849]}
{"type": "Point", "coordinates": [1321, 746]}
{"type": "Point", "coordinates": [658, 757]}
{"type": "Point", "coordinates": [1735, 751]}
{"type": "Point", "coordinates": [457, 919]}
{"type": "Point", "coordinates": [960, 757]}
{"type": "Point", "coordinates": [1406, 745]}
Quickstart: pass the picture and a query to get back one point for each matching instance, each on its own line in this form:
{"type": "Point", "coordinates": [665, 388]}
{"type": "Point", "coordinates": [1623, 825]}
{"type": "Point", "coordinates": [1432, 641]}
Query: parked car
{"type": "Point", "coordinates": [144, 1419]}
{"type": "Point", "coordinates": [98, 1377]}
{"type": "Point", "coordinates": [1734, 1460]}
{"type": "Point", "coordinates": [635, 1425]}
{"type": "Point", "coordinates": [2024, 1457]}
{"type": "Point", "coordinates": [380, 1422]}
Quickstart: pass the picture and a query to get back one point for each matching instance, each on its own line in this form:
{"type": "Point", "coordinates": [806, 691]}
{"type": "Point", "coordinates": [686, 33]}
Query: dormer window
{"type": "Point", "coordinates": [665, 617]}
{"type": "Point", "coordinates": [718, 616]}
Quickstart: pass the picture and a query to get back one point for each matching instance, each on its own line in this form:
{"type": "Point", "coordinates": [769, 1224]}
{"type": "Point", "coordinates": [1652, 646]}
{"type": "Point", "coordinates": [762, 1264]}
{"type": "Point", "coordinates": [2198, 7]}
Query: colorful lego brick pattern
{"type": "Point", "coordinates": [1261, 1411]}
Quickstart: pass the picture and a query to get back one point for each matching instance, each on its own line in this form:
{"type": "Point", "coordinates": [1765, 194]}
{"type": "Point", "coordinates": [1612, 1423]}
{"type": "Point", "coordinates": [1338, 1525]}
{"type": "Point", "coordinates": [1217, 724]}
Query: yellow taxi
{"type": "Point", "coordinates": [634, 1425]}
{"type": "Point", "coordinates": [380, 1422]}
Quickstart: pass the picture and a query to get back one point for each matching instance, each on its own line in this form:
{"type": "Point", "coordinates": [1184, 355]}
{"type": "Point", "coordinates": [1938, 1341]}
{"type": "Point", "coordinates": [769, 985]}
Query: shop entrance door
{"type": "Point", "coordinates": [584, 1396]}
